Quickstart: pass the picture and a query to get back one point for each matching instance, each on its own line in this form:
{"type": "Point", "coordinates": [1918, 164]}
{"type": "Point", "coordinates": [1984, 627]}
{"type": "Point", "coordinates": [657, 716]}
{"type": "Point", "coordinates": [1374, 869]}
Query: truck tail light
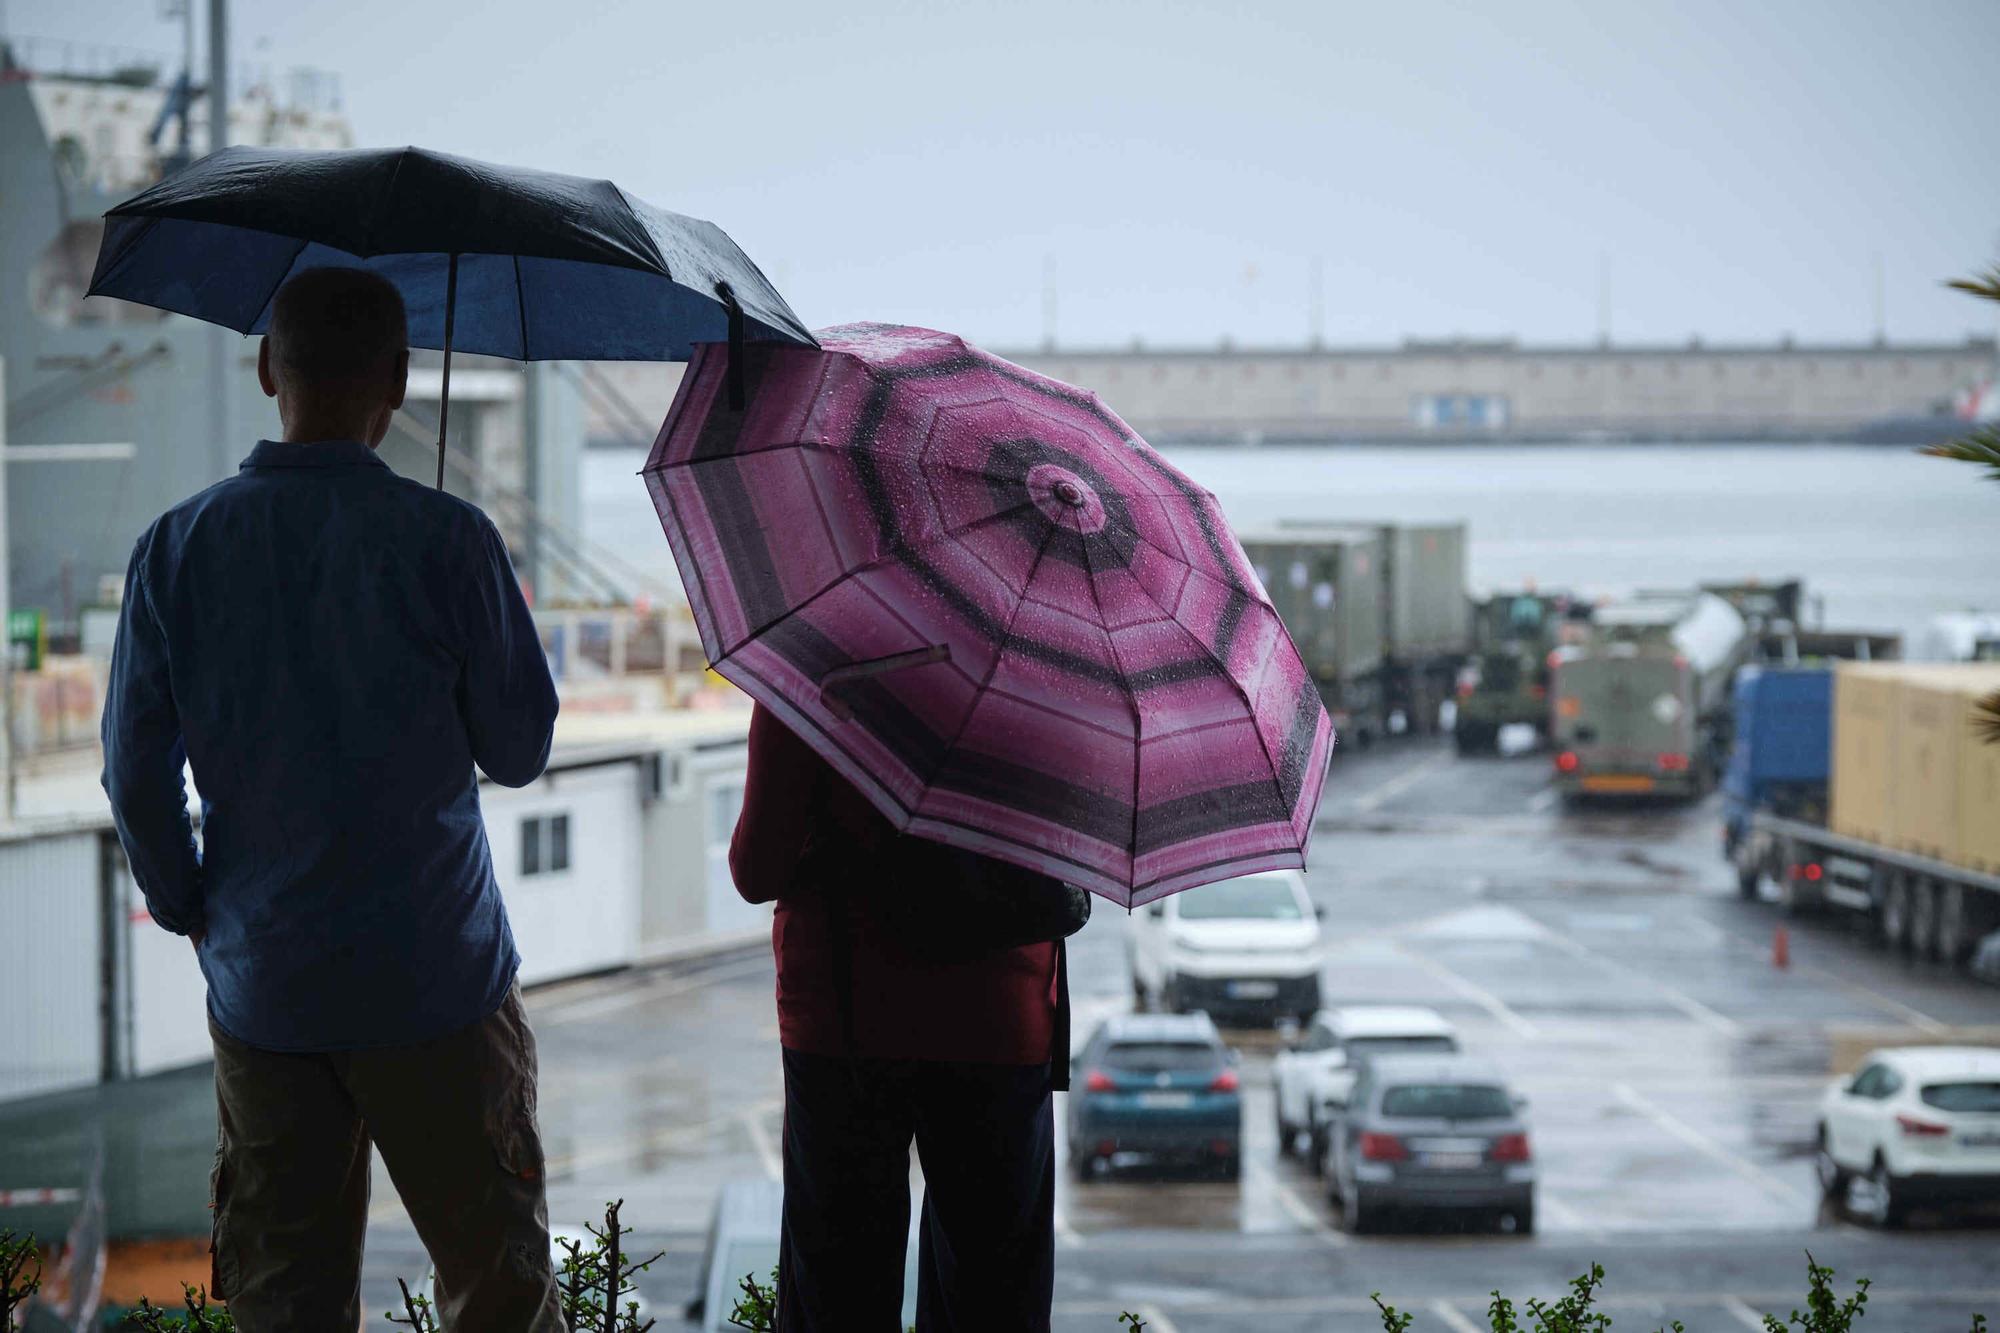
{"type": "Point", "coordinates": [1099, 1081]}
{"type": "Point", "coordinates": [1567, 761]}
{"type": "Point", "coordinates": [1224, 1082]}
{"type": "Point", "coordinates": [1914, 1128]}
{"type": "Point", "coordinates": [1512, 1148]}
{"type": "Point", "coordinates": [1382, 1148]}
{"type": "Point", "coordinates": [1673, 763]}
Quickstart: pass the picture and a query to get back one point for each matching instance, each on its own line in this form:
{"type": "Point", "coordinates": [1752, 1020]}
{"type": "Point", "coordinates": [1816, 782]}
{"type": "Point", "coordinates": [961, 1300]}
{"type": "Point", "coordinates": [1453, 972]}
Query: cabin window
{"type": "Point", "coordinates": [545, 844]}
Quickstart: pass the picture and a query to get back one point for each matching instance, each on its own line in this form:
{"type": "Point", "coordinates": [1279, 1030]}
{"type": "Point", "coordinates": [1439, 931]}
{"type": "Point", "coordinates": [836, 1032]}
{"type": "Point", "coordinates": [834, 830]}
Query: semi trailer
{"type": "Point", "coordinates": [1378, 611]}
{"type": "Point", "coordinates": [1869, 787]}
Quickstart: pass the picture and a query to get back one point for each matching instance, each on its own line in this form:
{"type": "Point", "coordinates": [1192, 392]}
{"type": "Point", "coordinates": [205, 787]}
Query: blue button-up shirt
{"type": "Point", "coordinates": [330, 648]}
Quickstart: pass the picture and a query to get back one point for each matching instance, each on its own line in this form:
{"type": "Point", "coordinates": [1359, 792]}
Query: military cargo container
{"type": "Point", "coordinates": [1326, 584]}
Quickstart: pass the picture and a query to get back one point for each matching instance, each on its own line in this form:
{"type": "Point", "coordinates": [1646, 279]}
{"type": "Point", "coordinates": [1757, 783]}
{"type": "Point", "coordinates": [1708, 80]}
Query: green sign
{"type": "Point", "coordinates": [28, 629]}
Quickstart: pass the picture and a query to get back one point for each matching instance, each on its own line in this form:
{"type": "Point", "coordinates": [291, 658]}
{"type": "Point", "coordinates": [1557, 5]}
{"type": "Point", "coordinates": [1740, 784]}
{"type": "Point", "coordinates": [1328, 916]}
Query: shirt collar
{"type": "Point", "coordinates": [316, 453]}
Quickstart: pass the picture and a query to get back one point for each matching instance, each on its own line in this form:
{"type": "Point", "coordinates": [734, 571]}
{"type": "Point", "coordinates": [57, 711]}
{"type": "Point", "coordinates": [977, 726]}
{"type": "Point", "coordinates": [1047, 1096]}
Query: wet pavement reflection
{"type": "Point", "coordinates": [1602, 959]}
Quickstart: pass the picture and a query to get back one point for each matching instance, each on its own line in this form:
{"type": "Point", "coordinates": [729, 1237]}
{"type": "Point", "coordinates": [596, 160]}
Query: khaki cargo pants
{"type": "Point", "coordinates": [454, 1119]}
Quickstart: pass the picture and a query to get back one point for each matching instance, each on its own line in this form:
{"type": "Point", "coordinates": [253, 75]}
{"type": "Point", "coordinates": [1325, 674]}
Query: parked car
{"type": "Point", "coordinates": [1158, 1086]}
{"type": "Point", "coordinates": [1916, 1125]}
{"type": "Point", "coordinates": [1319, 1066]}
{"type": "Point", "coordinates": [1245, 949]}
{"type": "Point", "coordinates": [743, 1236]}
{"type": "Point", "coordinates": [1430, 1133]}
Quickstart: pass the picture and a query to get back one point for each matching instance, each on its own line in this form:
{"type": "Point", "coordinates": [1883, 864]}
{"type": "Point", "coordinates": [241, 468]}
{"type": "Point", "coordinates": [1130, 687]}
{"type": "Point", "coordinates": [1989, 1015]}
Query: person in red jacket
{"type": "Point", "coordinates": [954, 1056]}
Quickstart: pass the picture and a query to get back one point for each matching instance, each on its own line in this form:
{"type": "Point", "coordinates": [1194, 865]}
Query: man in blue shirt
{"type": "Point", "coordinates": [330, 648]}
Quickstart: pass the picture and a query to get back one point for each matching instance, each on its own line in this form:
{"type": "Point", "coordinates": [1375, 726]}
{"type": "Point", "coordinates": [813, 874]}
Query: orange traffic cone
{"type": "Point", "coordinates": [1781, 948]}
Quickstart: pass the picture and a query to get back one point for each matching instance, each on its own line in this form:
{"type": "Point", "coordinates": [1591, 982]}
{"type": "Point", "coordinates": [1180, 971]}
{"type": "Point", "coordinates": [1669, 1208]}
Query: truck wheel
{"type": "Point", "coordinates": [1954, 924]}
{"type": "Point", "coordinates": [1893, 912]}
{"type": "Point", "coordinates": [1747, 878]}
{"type": "Point", "coordinates": [1923, 918]}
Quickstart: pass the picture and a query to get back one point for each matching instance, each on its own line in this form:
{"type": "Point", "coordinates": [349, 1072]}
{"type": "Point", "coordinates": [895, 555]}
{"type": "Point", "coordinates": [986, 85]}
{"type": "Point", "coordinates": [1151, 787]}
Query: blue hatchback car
{"type": "Point", "coordinates": [1158, 1086]}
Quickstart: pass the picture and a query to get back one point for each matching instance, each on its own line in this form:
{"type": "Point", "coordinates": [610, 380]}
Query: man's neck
{"type": "Point", "coordinates": [315, 433]}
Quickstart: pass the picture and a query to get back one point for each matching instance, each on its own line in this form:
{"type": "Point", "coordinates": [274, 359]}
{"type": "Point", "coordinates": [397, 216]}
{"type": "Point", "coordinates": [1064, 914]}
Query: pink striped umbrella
{"type": "Point", "coordinates": [993, 608]}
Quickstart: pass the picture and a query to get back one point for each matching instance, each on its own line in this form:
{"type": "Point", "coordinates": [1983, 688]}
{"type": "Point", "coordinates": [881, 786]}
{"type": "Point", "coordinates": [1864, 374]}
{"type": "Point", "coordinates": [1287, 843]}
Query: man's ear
{"type": "Point", "coordinates": [265, 380]}
{"type": "Point", "coordinates": [402, 379]}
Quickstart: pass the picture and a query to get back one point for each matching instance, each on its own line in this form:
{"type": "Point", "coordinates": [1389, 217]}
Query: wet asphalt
{"type": "Point", "coordinates": [1602, 958]}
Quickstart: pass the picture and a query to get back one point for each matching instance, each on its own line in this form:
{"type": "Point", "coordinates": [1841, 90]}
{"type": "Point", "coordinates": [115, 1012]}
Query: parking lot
{"type": "Point", "coordinates": [1602, 959]}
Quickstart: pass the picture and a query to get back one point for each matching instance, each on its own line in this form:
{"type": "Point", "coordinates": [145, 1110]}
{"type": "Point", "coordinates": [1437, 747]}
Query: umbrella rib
{"type": "Point", "coordinates": [883, 561]}
{"type": "Point", "coordinates": [999, 651]}
{"type": "Point", "coordinates": [521, 308]}
{"type": "Point", "coordinates": [272, 295]}
{"type": "Point", "coordinates": [1249, 708]}
{"type": "Point", "coordinates": [1131, 697]}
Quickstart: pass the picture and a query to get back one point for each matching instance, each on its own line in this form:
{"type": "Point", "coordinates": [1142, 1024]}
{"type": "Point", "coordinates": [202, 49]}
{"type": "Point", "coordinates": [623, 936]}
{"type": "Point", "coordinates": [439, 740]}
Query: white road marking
{"type": "Point", "coordinates": [1156, 1319]}
{"type": "Point", "coordinates": [1706, 1145]}
{"type": "Point", "coordinates": [1562, 1214]}
{"type": "Point", "coordinates": [1401, 783]}
{"type": "Point", "coordinates": [1295, 1207]}
{"type": "Point", "coordinates": [617, 1150]}
{"type": "Point", "coordinates": [1721, 1024]}
{"type": "Point", "coordinates": [1916, 1018]}
{"type": "Point", "coordinates": [1453, 1319]}
{"type": "Point", "coordinates": [1066, 1235]}
{"type": "Point", "coordinates": [760, 1139]}
{"type": "Point", "coordinates": [1473, 991]}
{"type": "Point", "coordinates": [1743, 1314]}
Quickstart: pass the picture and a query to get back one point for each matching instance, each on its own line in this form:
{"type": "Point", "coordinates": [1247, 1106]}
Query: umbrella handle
{"type": "Point", "coordinates": [849, 672]}
{"type": "Point", "coordinates": [735, 312]}
{"type": "Point", "coordinates": [444, 393]}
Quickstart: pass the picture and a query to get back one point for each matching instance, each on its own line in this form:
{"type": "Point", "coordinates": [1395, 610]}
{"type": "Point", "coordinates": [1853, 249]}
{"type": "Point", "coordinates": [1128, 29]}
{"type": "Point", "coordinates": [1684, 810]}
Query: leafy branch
{"type": "Point", "coordinates": [17, 1282]}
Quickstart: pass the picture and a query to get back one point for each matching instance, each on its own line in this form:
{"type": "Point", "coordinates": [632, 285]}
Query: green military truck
{"type": "Point", "coordinates": [1505, 679]}
{"type": "Point", "coordinates": [1643, 707]}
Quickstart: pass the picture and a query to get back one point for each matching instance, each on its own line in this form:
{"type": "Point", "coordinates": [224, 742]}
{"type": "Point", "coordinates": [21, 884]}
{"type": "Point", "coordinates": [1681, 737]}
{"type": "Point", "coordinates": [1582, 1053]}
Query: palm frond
{"type": "Point", "coordinates": [1981, 448]}
{"type": "Point", "coordinates": [1986, 718]}
{"type": "Point", "coordinates": [1985, 285]}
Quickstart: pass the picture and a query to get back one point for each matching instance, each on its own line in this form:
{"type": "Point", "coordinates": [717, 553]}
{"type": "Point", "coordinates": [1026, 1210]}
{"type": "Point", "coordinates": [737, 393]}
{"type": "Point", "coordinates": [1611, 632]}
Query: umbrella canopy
{"type": "Point", "coordinates": [994, 608]}
{"type": "Point", "coordinates": [504, 261]}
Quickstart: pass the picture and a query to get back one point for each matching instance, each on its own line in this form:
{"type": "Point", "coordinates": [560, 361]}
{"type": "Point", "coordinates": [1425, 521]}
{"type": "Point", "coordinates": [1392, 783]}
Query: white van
{"type": "Point", "coordinates": [1245, 949]}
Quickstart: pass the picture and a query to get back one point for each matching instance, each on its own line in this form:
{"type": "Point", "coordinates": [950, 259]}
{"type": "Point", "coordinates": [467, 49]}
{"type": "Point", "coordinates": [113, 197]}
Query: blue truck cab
{"type": "Point", "coordinates": [1781, 750]}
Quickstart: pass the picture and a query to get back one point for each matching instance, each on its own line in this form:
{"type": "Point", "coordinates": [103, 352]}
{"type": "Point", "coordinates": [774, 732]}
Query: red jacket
{"type": "Point", "coordinates": [998, 1009]}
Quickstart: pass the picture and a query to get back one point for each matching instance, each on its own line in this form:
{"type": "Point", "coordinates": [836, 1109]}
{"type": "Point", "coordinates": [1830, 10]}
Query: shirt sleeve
{"type": "Point", "coordinates": [781, 785]}
{"type": "Point", "coordinates": [506, 696]}
{"type": "Point", "coordinates": [144, 756]}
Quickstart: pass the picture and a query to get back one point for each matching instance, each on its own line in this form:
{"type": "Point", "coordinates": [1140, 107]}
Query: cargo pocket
{"type": "Point", "coordinates": [510, 1117]}
{"type": "Point", "coordinates": [221, 1253]}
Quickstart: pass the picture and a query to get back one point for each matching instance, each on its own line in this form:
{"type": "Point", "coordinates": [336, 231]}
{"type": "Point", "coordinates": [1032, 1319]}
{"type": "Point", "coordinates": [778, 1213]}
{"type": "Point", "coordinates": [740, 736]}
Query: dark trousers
{"type": "Point", "coordinates": [455, 1121]}
{"type": "Point", "coordinates": [986, 1238]}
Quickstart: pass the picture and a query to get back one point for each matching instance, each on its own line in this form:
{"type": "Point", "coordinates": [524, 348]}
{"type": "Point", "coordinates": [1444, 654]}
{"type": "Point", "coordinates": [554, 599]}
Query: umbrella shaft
{"type": "Point", "coordinates": [444, 391]}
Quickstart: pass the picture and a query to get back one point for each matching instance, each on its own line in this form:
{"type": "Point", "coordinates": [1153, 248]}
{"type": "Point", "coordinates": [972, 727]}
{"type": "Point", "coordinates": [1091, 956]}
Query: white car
{"type": "Point", "coordinates": [1244, 948]}
{"type": "Point", "coordinates": [1315, 1074]}
{"type": "Point", "coordinates": [1919, 1124]}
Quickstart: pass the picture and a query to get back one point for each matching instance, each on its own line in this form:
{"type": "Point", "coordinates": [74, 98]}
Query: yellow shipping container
{"type": "Point", "coordinates": [1930, 719]}
{"type": "Point", "coordinates": [1979, 791]}
{"type": "Point", "coordinates": [1862, 799]}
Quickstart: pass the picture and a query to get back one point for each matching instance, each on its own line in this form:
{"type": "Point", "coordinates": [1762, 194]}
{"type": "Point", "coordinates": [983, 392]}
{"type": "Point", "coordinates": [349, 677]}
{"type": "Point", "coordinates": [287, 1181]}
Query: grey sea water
{"type": "Point", "coordinates": [1886, 537]}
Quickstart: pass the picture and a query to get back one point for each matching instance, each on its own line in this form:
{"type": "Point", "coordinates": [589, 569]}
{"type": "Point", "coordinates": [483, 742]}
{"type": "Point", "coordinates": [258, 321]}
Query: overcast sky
{"type": "Point", "coordinates": [1178, 167]}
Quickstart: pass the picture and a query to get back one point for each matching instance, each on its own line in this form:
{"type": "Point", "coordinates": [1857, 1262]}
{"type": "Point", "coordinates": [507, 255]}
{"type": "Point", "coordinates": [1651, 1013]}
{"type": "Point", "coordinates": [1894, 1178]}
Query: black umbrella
{"type": "Point", "coordinates": [504, 261]}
